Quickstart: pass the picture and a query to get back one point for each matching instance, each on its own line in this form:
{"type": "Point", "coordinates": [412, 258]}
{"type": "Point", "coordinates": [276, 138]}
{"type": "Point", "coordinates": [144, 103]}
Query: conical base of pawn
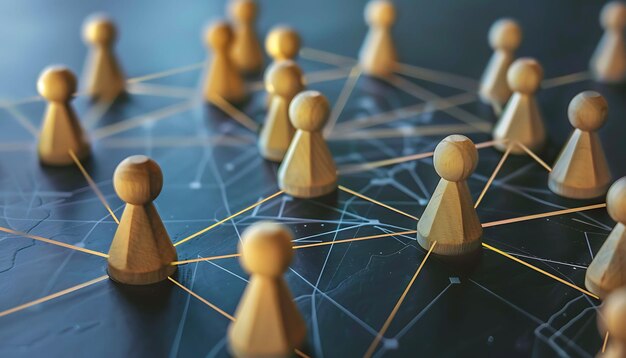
{"type": "Point", "coordinates": [141, 252]}
{"type": "Point", "coordinates": [277, 133]}
{"type": "Point", "coordinates": [61, 133]}
{"type": "Point", "coordinates": [104, 77]}
{"type": "Point", "coordinates": [521, 121]}
{"type": "Point", "coordinates": [268, 322]}
{"type": "Point", "coordinates": [450, 220]}
{"type": "Point", "coordinates": [377, 56]}
{"type": "Point", "coordinates": [494, 88]}
{"type": "Point", "coordinates": [581, 171]}
{"type": "Point", "coordinates": [608, 64]}
{"type": "Point", "coordinates": [607, 271]}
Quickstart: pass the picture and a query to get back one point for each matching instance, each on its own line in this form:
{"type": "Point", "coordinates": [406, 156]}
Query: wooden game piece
{"type": "Point", "coordinates": [283, 81]}
{"type": "Point", "coordinates": [581, 171]}
{"type": "Point", "coordinates": [377, 56]}
{"type": "Point", "coordinates": [61, 130]}
{"type": "Point", "coordinates": [505, 37]}
{"type": "Point", "coordinates": [141, 251]}
{"type": "Point", "coordinates": [222, 80]}
{"type": "Point", "coordinates": [608, 63]}
{"type": "Point", "coordinates": [521, 120]}
{"type": "Point", "coordinates": [613, 320]}
{"type": "Point", "coordinates": [245, 51]}
{"type": "Point", "coordinates": [267, 321]}
{"type": "Point", "coordinates": [282, 43]}
{"type": "Point", "coordinates": [104, 77]}
{"type": "Point", "coordinates": [308, 169]}
{"type": "Point", "coordinates": [450, 218]}
{"type": "Point", "coordinates": [607, 271]}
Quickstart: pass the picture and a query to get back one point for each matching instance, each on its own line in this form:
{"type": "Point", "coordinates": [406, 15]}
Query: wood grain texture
{"type": "Point", "coordinates": [61, 130]}
{"type": "Point", "coordinates": [103, 74]}
{"type": "Point", "coordinates": [267, 321]}
{"type": "Point", "coordinates": [613, 320]}
{"type": "Point", "coordinates": [608, 63]}
{"type": "Point", "coordinates": [222, 79]}
{"type": "Point", "coordinates": [245, 52]}
{"type": "Point", "coordinates": [377, 56]}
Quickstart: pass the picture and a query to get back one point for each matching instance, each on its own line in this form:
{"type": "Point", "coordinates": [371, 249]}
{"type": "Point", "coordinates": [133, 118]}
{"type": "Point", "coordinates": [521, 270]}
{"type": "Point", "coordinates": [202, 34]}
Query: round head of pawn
{"type": "Point", "coordinates": [613, 16]}
{"type": "Point", "coordinates": [265, 249]}
{"type": "Point", "coordinates": [218, 35]}
{"type": "Point", "coordinates": [614, 314]}
{"type": "Point", "coordinates": [284, 79]}
{"type": "Point", "coordinates": [56, 84]}
{"type": "Point", "coordinates": [616, 201]}
{"type": "Point", "coordinates": [138, 180]}
{"type": "Point", "coordinates": [99, 30]}
{"type": "Point", "coordinates": [282, 43]}
{"type": "Point", "coordinates": [380, 13]}
{"type": "Point", "coordinates": [243, 11]}
{"type": "Point", "coordinates": [309, 111]}
{"type": "Point", "coordinates": [587, 111]}
{"type": "Point", "coordinates": [524, 75]}
{"type": "Point", "coordinates": [455, 158]}
{"type": "Point", "coordinates": [505, 34]}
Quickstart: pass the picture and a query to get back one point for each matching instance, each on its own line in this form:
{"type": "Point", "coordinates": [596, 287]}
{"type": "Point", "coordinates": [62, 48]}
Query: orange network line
{"type": "Point", "coordinates": [606, 340]}
{"type": "Point", "coordinates": [539, 270]}
{"type": "Point", "coordinates": [228, 218]}
{"type": "Point", "coordinates": [493, 175]}
{"type": "Point", "coordinates": [544, 215]}
{"type": "Point", "coordinates": [21, 119]}
{"type": "Point", "coordinates": [347, 89]}
{"type": "Point", "coordinates": [93, 185]}
{"type": "Point", "coordinates": [297, 247]}
{"type": "Point", "coordinates": [53, 242]}
{"type": "Point", "coordinates": [235, 113]}
{"type": "Point", "coordinates": [349, 191]}
{"type": "Point", "coordinates": [166, 73]}
{"type": "Point", "coordinates": [383, 330]}
{"type": "Point", "coordinates": [534, 156]}
{"type": "Point", "coordinates": [53, 296]}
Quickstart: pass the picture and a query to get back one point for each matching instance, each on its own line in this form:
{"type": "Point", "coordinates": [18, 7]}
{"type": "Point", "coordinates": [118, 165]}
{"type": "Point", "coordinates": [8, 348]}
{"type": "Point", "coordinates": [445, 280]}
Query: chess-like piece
{"type": "Point", "coordinates": [282, 43]}
{"type": "Point", "coordinates": [521, 120]}
{"type": "Point", "coordinates": [450, 218]}
{"type": "Point", "coordinates": [607, 271]}
{"type": "Point", "coordinates": [377, 56]}
{"type": "Point", "coordinates": [608, 63]}
{"type": "Point", "coordinates": [222, 80]}
{"type": "Point", "coordinates": [283, 81]}
{"type": "Point", "coordinates": [245, 51]}
{"type": "Point", "coordinates": [613, 320]}
{"type": "Point", "coordinates": [505, 37]}
{"type": "Point", "coordinates": [141, 252]}
{"type": "Point", "coordinates": [267, 321]}
{"type": "Point", "coordinates": [104, 77]}
{"type": "Point", "coordinates": [61, 130]}
{"type": "Point", "coordinates": [308, 169]}
{"type": "Point", "coordinates": [581, 171]}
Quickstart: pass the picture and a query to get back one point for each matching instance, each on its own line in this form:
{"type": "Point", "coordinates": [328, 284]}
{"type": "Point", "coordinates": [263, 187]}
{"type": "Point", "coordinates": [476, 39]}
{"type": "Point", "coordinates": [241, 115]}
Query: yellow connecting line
{"type": "Point", "coordinates": [53, 242]}
{"type": "Point", "coordinates": [349, 191]}
{"type": "Point", "coordinates": [493, 175]}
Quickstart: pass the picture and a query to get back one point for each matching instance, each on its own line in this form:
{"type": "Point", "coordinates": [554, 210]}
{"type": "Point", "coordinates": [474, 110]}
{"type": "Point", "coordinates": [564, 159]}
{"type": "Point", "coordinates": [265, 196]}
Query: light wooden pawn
{"type": "Point", "coordinates": [281, 44]}
{"type": "Point", "coordinates": [377, 56]}
{"type": "Point", "coordinates": [581, 170]}
{"type": "Point", "coordinates": [308, 169]}
{"type": "Point", "coordinates": [521, 120]}
{"type": "Point", "coordinates": [613, 320]}
{"type": "Point", "coordinates": [450, 218]}
{"type": "Point", "coordinates": [608, 63]}
{"type": "Point", "coordinates": [104, 77]}
{"type": "Point", "coordinates": [505, 37]}
{"type": "Point", "coordinates": [61, 130]}
{"type": "Point", "coordinates": [141, 252]}
{"type": "Point", "coordinates": [267, 321]}
{"type": "Point", "coordinates": [283, 81]}
{"type": "Point", "coordinates": [222, 79]}
{"type": "Point", "coordinates": [607, 271]}
{"type": "Point", "coordinates": [245, 52]}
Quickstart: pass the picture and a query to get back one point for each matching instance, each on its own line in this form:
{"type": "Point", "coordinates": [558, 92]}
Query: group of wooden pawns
{"type": "Point", "coordinates": [267, 321]}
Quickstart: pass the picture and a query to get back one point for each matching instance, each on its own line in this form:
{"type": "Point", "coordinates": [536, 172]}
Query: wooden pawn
{"type": "Point", "coordinates": [377, 56]}
{"type": "Point", "coordinates": [222, 81]}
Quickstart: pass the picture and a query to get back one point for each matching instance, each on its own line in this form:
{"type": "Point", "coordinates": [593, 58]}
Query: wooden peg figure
{"type": "Point", "coordinates": [505, 37]}
{"type": "Point", "coordinates": [61, 130]}
{"type": "Point", "coordinates": [245, 51]}
{"type": "Point", "coordinates": [281, 44]}
{"type": "Point", "coordinates": [608, 63]}
{"type": "Point", "coordinates": [581, 171]}
{"type": "Point", "coordinates": [613, 320]}
{"type": "Point", "coordinates": [450, 218]}
{"type": "Point", "coordinates": [104, 77]}
{"type": "Point", "coordinates": [377, 56]}
{"type": "Point", "coordinates": [283, 82]}
{"type": "Point", "coordinates": [607, 271]}
{"type": "Point", "coordinates": [521, 120]}
{"type": "Point", "coordinates": [141, 252]}
{"type": "Point", "coordinates": [308, 169]}
{"type": "Point", "coordinates": [267, 321]}
{"type": "Point", "coordinates": [222, 80]}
